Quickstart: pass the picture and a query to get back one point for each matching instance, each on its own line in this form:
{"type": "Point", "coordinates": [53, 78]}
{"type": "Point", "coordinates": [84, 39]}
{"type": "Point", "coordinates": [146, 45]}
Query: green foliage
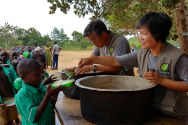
{"type": "Point", "coordinates": [7, 35]}
{"type": "Point", "coordinates": [80, 44]}
{"type": "Point", "coordinates": [173, 42]}
{"type": "Point", "coordinates": [133, 41]}
{"type": "Point", "coordinates": [76, 36]}
{"type": "Point", "coordinates": [120, 16]}
{"type": "Point", "coordinates": [170, 3]}
{"type": "Point", "coordinates": [59, 36]}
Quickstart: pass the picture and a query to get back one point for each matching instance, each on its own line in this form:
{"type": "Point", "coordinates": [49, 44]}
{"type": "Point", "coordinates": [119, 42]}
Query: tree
{"type": "Point", "coordinates": [59, 36]}
{"type": "Point", "coordinates": [122, 15]}
{"type": "Point", "coordinates": [181, 23]}
{"type": "Point", "coordinates": [7, 34]}
{"type": "Point", "coordinates": [77, 36]}
{"type": "Point", "coordinates": [48, 40]}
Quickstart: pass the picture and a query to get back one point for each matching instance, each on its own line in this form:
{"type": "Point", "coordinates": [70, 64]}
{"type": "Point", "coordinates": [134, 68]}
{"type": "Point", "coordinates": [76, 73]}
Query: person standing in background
{"type": "Point", "coordinates": [132, 48]}
{"type": "Point", "coordinates": [49, 55]}
{"type": "Point", "coordinates": [55, 54]}
{"type": "Point", "coordinates": [36, 46]}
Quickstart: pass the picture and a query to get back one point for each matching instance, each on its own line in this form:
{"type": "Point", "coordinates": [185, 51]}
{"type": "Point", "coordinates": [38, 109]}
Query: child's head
{"type": "Point", "coordinates": [35, 44]}
{"type": "Point", "coordinates": [21, 51]}
{"type": "Point", "coordinates": [29, 50]}
{"type": "Point", "coordinates": [30, 72]}
{"type": "Point", "coordinates": [12, 55]}
{"type": "Point", "coordinates": [4, 56]}
{"type": "Point", "coordinates": [157, 24]}
{"type": "Point", "coordinates": [14, 63]}
{"type": "Point", "coordinates": [41, 58]}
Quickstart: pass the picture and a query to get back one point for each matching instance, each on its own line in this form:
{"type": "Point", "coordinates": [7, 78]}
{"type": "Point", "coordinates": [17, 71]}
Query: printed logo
{"type": "Point", "coordinates": [164, 67]}
{"type": "Point", "coordinates": [165, 70]}
{"type": "Point", "coordinates": [111, 51]}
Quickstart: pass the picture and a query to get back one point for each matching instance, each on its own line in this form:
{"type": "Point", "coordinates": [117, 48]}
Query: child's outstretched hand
{"type": "Point", "coordinates": [54, 91]}
{"type": "Point", "coordinates": [49, 80]}
{"type": "Point", "coordinates": [5, 106]}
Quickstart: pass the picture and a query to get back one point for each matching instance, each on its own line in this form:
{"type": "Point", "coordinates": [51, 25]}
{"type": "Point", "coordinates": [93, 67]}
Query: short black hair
{"type": "Point", "coordinates": [29, 50]}
{"type": "Point", "coordinates": [35, 43]}
{"type": "Point", "coordinates": [158, 24]}
{"type": "Point", "coordinates": [27, 65]}
{"type": "Point", "coordinates": [7, 54]}
{"type": "Point", "coordinates": [37, 55]}
{"type": "Point", "coordinates": [14, 63]}
{"type": "Point", "coordinates": [96, 26]}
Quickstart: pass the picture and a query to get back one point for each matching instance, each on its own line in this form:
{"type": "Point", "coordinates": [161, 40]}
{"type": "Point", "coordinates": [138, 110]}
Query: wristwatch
{"type": "Point", "coordinates": [94, 68]}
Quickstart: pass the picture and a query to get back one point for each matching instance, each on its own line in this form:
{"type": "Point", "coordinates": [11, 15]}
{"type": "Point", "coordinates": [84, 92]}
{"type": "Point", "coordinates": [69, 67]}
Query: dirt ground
{"type": "Point", "coordinates": [71, 59]}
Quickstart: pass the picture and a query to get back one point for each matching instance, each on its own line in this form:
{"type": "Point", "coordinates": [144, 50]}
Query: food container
{"type": "Point", "coordinates": [73, 90]}
{"type": "Point", "coordinates": [106, 99]}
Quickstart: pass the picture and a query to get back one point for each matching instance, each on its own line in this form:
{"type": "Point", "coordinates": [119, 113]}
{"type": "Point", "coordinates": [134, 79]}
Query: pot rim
{"type": "Point", "coordinates": [61, 71]}
{"type": "Point", "coordinates": [77, 82]}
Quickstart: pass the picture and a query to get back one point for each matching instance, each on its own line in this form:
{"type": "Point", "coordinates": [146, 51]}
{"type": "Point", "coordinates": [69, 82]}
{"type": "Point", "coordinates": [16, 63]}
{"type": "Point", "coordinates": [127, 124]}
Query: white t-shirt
{"type": "Point", "coordinates": [56, 48]}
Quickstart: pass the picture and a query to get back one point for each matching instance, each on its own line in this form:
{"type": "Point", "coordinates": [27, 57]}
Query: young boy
{"type": "Point", "coordinates": [41, 58]}
{"type": "Point", "coordinates": [12, 55]}
{"type": "Point", "coordinates": [167, 61]}
{"type": "Point", "coordinates": [5, 57]}
{"type": "Point", "coordinates": [14, 63]}
{"type": "Point", "coordinates": [7, 91]}
{"type": "Point", "coordinates": [34, 102]}
{"type": "Point", "coordinates": [30, 52]}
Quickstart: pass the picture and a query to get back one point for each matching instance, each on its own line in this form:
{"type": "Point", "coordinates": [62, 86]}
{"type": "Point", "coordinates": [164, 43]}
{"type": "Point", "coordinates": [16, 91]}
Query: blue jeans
{"type": "Point", "coordinates": [55, 61]}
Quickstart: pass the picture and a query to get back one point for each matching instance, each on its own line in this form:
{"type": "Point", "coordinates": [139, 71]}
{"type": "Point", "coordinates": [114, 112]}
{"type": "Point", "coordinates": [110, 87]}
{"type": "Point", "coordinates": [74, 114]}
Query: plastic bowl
{"type": "Point", "coordinates": [70, 74]}
{"type": "Point", "coordinates": [66, 83]}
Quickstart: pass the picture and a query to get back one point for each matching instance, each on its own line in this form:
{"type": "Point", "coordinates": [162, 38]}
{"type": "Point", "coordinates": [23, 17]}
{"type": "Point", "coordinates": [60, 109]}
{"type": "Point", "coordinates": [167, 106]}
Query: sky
{"type": "Point", "coordinates": [35, 13]}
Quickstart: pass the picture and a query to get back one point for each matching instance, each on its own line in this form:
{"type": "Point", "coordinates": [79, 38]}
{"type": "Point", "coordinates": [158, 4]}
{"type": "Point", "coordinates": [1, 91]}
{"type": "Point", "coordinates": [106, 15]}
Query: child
{"type": "Point", "coordinates": [167, 61]}
{"type": "Point", "coordinates": [30, 52]}
{"type": "Point", "coordinates": [5, 59]}
{"type": "Point", "coordinates": [14, 63]}
{"type": "Point", "coordinates": [41, 58]}
{"type": "Point", "coordinates": [13, 55]}
{"type": "Point", "coordinates": [33, 101]}
{"type": "Point", "coordinates": [7, 91]}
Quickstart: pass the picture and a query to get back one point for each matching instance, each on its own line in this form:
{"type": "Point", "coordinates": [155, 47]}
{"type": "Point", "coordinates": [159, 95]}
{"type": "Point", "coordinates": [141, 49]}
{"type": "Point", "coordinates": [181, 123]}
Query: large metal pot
{"type": "Point", "coordinates": [73, 90]}
{"type": "Point", "coordinates": [116, 99]}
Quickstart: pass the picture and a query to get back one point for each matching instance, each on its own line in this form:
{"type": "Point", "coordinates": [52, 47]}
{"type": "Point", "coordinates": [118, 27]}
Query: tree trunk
{"type": "Point", "coordinates": [181, 24]}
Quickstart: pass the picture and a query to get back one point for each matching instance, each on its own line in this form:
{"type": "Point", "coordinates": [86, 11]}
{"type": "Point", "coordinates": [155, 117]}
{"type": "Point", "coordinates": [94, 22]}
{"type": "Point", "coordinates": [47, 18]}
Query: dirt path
{"type": "Point", "coordinates": [71, 59]}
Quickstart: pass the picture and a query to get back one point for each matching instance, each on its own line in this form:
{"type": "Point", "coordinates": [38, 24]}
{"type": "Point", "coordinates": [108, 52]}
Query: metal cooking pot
{"type": "Point", "coordinates": [113, 99]}
{"type": "Point", "coordinates": [73, 90]}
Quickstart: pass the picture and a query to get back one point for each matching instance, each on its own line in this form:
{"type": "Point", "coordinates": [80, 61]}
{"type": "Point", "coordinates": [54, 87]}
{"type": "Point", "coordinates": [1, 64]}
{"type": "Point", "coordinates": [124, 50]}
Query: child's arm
{"type": "Point", "coordinates": [41, 108]}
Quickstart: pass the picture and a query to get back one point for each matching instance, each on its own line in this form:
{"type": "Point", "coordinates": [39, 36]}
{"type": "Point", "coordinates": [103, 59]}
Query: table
{"type": "Point", "coordinates": [69, 112]}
